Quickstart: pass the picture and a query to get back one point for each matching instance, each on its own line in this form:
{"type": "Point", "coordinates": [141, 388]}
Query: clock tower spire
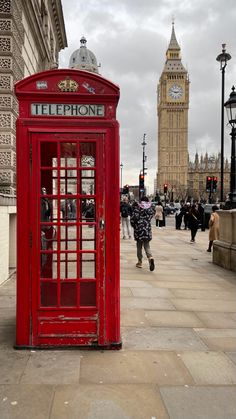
{"type": "Point", "coordinates": [172, 112]}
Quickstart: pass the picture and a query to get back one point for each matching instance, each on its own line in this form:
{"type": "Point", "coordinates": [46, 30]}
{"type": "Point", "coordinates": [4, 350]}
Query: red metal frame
{"type": "Point", "coordinates": [81, 326]}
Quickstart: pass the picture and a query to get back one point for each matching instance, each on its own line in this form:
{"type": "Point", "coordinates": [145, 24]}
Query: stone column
{"type": "Point", "coordinates": [224, 249]}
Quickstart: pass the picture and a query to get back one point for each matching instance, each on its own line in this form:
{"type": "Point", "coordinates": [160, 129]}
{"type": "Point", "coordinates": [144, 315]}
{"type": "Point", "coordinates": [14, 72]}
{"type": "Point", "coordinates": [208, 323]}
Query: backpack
{"type": "Point", "coordinates": [124, 211]}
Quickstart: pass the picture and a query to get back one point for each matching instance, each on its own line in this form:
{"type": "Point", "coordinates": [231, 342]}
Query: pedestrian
{"type": "Point", "coordinates": [186, 215]}
{"type": "Point", "coordinates": [90, 213]}
{"type": "Point", "coordinates": [214, 228]}
{"type": "Point", "coordinates": [71, 208]}
{"type": "Point", "coordinates": [159, 214]}
{"type": "Point", "coordinates": [178, 217]}
{"type": "Point", "coordinates": [141, 222]}
{"type": "Point", "coordinates": [193, 221]}
{"type": "Point", "coordinates": [202, 216]}
{"type": "Point", "coordinates": [47, 235]}
{"type": "Point", "coordinates": [125, 212]}
{"type": "Point", "coordinates": [45, 206]}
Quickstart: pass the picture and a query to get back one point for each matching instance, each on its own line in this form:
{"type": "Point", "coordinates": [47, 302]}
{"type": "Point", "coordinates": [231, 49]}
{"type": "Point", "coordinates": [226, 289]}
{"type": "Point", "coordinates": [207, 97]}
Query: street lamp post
{"type": "Point", "coordinates": [144, 156]}
{"type": "Point", "coordinates": [222, 58]}
{"type": "Point", "coordinates": [230, 106]}
{"type": "Point", "coordinates": [121, 168]}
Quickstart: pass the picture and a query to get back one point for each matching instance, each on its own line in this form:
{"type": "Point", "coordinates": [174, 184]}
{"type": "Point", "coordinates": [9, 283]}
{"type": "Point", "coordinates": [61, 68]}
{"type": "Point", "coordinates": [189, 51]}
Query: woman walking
{"type": "Point", "coordinates": [141, 222]}
{"type": "Point", "coordinates": [159, 214]}
{"type": "Point", "coordinates": [214, 227]}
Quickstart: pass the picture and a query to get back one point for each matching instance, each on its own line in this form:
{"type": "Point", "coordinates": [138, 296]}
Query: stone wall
{"type": "Point", "coordinates": [11, 70]}
{"type": "Point", "coordinates": [224, 249]}
{"type": "Point", "coordinates": [7, 235]}
{"type": "Point", "coordinates": [32, 33]}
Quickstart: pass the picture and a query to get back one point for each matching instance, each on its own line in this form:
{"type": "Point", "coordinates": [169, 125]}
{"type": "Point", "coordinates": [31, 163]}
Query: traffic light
{"type": "Point", "coordinates": [126, 189]}
{"type": "Point", "coordinates": [208, 183]}
{"type": "Point", "coordinates": [141, 183]}
{"type": "Point", "coordinates": [165, 188]}
{"type": "Point", "coordinates": [214, 188]}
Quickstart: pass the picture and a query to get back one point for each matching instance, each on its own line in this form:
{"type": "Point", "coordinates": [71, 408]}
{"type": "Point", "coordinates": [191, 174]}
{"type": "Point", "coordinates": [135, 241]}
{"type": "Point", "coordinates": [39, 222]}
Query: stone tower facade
{"type": "Point", "coordinates": [172, 111]}
{"type": "Point", "coordinates": [32, 33]}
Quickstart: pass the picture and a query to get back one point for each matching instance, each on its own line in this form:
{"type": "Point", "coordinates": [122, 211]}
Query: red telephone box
{"type": "Point", "coordinates": [67, 211]}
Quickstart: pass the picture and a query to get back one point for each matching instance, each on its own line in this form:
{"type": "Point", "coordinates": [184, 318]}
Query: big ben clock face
{"type": "Point", "coordinates": [175, 91]}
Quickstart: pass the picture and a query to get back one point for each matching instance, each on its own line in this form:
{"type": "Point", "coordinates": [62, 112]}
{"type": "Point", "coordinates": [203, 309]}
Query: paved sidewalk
{"type": "Point", "coordinates": [179, 346]}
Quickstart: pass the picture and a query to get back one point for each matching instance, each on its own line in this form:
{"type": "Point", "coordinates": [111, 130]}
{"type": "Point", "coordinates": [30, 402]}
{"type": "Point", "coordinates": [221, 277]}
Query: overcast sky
{"type": "Point", "coordinates": [130, 38]}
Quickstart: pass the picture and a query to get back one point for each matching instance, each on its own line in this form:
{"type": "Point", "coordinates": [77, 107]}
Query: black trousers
{"type": "Point", "coordinates": [193, 232]}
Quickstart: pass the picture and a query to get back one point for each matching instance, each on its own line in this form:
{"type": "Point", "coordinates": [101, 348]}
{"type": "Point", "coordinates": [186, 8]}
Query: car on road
{"type": "Point", "coordinates": [169, 209]}
{"type": "Point", "coordinates": [177, 206]}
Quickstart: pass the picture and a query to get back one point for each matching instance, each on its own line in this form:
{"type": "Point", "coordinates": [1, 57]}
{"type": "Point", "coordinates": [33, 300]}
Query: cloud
{"type": "Point", "coordinates": [130, 39]}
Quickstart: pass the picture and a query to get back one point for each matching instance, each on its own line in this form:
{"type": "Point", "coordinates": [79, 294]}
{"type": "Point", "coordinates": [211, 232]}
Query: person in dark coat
{"type": "Point", "coordinates": [90, 213]}
{"type": "Point", "coordinates": [47, 232]}
{"type": "Point", "coordinates": [193, 221]}
{"type": "Point", "coordinates": [178, 218]}
{"type": "Point", "coordinates": [202, 216]}
{"type": "Point", "coordinates": [142, 214]}
{"type": "Point", "coordinates": [186, 215]}
{"type": "Point", "coordinates": [125, 212]}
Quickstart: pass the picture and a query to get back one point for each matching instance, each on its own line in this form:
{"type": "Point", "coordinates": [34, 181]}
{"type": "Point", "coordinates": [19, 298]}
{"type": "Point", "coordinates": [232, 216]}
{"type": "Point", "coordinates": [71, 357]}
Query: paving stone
{"type": "Point", "coordinates": [172, 319]}
{"type": "Point", "coordinates": [25, 401]}
{"type": "Point", "coordinates": [215, 320]}
{"type": "Point", "coordinates": [52, 367]}
{"type": "Point", "coordinates": [186, 285]}
{"type": "Point", "coordinates": [7, 315]}
{"type": "Point", "coordinates": [125, 292]}
{"type": "Point", "coordinates": [108, 402]}
{"type": "Point", "coordinates": [218, 339]}
{"type": "Point", "coordinates": [134, 283]}
{"type": "Point", "coordinates": [188, 275]}
{"type": "Point", "coordinates": [146, 303]}
{"type": "Point", "coordinates": [191, 304]}
{"type": "Point", "coordinates": [153, 338]}
{"type": "Point", "coordinates": [206, 294]}
{"type": "Point", "coordinates": [200, 402]}
{"type": "Point", "coordinates": [216, 332]}
{"type": "Point", "coordinates": [12, 365]}
{"type": "Point", "coordinates": [134, 367]}
{"type": "Point", "coordinates": [7, 301]}
{"type": "Point", "coordinates": [232, 356]}
{"type": "Point", "coordinates": [133, 318]}
{"type": "Point", "coordinates": [220, 344]}
{"type": "Point", "coordinates": [209, 367]}
{"type": "Point", "coordinates": [7, 336]}
{"type": "Point", "coordinates": [151, 292]}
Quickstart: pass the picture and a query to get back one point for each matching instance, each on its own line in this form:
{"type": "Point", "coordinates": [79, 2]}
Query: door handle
{"type": "Point", "coordinates": [102, 224]}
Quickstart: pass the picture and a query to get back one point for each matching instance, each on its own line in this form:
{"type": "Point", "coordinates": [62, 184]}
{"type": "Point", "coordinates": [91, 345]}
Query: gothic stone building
{"type": "Point", "coordinates": [198, 171]}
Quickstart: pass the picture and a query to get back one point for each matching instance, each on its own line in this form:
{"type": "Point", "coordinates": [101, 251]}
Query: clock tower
{"type": "Point", "coordinates": [172, 111]}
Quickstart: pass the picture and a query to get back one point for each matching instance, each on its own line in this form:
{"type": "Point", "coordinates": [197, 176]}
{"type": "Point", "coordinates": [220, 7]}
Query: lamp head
{"type": "Point", "coordinates": [223, 57]}
{"type": "Point", "coordinates": [230, 106]}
